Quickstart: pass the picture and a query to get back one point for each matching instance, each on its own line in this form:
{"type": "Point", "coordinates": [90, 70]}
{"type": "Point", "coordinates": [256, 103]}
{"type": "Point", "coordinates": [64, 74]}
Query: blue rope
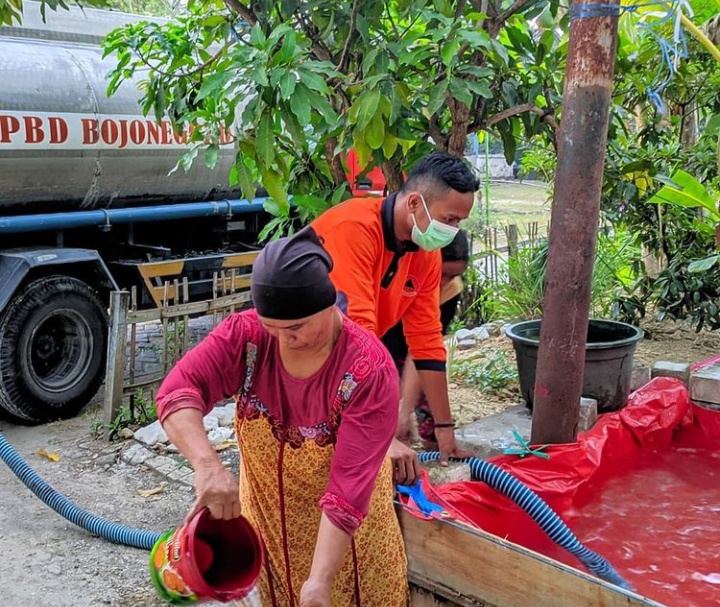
{"type": "Point", "coordinates": [540, 512]}
{"type": "Point", "coordinates": [671, 52]}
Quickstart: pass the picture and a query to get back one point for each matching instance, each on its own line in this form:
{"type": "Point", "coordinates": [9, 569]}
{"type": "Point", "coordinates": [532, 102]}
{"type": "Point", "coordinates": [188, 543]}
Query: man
{"type": "Point", "coordinates": [387, 268]}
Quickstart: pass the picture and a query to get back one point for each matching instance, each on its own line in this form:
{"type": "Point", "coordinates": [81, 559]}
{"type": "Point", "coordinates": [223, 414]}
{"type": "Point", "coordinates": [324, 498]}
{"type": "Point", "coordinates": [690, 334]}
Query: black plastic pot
{"type": "Point", "coordinates": [608, 360]}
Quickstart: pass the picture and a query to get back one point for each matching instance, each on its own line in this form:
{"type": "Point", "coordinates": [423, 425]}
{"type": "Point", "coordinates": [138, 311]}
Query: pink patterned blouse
{"type": "Point", "coordinates": [359, 374]}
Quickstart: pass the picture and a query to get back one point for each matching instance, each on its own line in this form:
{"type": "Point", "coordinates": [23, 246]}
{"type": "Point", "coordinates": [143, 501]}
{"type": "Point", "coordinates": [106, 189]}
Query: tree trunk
{"type": "Point", "coordinates": [460, 122]}
{"type": "Point", "coordinates": [573, 227]}
{"type": "Point", "coordinates": [393, 175]}
{"type": "Point", "coordinates": [333, 160]}
{"type": "Point", "coordinates": [689, 126]}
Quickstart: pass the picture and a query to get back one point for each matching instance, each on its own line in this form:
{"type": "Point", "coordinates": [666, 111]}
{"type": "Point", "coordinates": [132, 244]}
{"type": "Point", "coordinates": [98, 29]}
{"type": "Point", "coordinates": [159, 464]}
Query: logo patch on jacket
{"type": "Point", "coordinates": [410, 287]}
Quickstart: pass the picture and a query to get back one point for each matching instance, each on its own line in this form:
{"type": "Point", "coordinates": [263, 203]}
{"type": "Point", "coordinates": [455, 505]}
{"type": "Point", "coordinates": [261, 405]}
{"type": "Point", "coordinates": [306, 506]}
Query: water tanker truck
{"type": "Point", "coordinates": [87, 206]}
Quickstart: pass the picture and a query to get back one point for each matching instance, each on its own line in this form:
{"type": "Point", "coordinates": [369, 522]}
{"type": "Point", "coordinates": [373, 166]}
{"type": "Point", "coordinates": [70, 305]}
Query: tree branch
{"type": "Point", "coordinates": [434, 130]}
{"type": "Point", "coordinates": [516, 7]}
{"type": "Point", "coordinates": [351, 36]}
{"type": "Point", "coordinates": [242, 10]}
{"type": "Point", "coordinates": [319, 49]}
{"type": "Point", "coordinates": [545, 115]}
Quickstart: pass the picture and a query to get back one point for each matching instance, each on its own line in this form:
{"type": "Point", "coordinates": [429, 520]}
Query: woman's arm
{"type": "Point", "coordinates": [207, 374]}
{"type": "Point", "coordinates": [216, 488]}
{"type": "Point", "coordinates": [330, 548]}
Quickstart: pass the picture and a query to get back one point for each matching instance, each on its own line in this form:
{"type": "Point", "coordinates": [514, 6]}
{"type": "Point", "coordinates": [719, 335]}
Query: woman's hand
{"type": "Point", "coordinates": [405, 463]}
{"type": "Point", "coordinates": [217, 490]}
{"type": "Point", "coordinates": [315, 594]}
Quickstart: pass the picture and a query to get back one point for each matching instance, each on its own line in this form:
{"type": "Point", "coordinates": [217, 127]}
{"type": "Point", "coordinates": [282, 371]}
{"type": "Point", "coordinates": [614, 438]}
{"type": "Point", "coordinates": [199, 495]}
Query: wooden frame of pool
{"type": "Point", "coordinates": [454, 565]}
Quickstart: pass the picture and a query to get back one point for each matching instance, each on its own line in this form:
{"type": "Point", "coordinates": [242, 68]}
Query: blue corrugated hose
{"type": "Point", "coordinates": [114, 532]}
{"type": "Point", "coordinates": [541, 513]}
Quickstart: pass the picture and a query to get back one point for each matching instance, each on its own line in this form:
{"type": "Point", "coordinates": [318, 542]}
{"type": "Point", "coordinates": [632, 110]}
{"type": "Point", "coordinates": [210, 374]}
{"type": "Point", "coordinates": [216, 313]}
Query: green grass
{"type": "Point", "coordinates": [515, 203]}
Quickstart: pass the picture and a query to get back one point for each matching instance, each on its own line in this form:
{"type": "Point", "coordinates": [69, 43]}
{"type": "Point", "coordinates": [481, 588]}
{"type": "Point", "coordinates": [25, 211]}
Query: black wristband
{"type": "Point", "coordinates": [445, 425]}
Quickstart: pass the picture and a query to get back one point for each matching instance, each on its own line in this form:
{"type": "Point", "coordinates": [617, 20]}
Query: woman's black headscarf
{"type": "Point", "coordinates": [291, 278]}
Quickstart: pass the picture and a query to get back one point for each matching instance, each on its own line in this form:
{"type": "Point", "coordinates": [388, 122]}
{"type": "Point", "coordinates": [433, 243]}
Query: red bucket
{"type": "Point", "coordinates": [207, 560]}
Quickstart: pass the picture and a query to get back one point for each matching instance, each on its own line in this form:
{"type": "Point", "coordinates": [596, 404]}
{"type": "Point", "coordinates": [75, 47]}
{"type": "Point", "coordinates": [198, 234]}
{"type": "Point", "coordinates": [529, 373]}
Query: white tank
{"type": "Point", "coordinates": [65, 145]}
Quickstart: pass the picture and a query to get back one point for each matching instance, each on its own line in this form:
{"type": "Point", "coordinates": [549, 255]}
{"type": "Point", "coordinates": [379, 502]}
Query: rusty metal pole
{"type": "Point", "coordinates": [574, 223]}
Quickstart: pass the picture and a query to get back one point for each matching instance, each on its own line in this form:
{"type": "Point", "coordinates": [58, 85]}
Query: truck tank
{"type": "Point", "coordinates": [64, 145]}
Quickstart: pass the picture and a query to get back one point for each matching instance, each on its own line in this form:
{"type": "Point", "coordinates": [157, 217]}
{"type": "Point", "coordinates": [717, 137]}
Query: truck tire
{"type": "Point", "coordinates": [53, 347]}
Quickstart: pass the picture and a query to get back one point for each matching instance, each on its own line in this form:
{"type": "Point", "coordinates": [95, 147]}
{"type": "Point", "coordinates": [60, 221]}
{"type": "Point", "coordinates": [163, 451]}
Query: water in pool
{"type": "Point", "coordinates": [658, 523]}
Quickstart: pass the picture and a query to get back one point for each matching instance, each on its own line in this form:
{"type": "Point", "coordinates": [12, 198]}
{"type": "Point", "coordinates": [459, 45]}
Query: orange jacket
{"type": "Point", "coordinates": [380, 281]}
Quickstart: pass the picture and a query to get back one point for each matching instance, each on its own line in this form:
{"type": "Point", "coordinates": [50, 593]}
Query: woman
{"type": "Point", "coordinates": [316, 411]}
{"type": "Point", "coordinates": [455, 257]}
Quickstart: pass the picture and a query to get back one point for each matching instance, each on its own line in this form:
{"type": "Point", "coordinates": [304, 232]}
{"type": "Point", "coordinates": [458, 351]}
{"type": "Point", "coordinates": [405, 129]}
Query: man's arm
{"type": "Point", "coordinates": [423, 331]}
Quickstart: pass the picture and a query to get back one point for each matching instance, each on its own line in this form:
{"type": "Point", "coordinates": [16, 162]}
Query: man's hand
{"type": "Point", "coordinates": [406, 467]}
{"type": "Point", "coordinates": [216, 489]}
{"type": "Point", "coordinates": [407, 430]}
{"type": "Point", "coordinates": [315, 594]}
{"type": "Point", "coordinates": [447, 445]}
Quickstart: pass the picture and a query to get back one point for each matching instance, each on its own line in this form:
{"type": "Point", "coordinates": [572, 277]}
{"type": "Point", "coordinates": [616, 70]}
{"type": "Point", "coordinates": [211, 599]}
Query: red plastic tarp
{"type": "Point", "coordinates": [654, 417]}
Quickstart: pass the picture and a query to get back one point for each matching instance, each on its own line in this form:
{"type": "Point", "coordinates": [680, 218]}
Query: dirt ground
{"type": "Point", "coordinates": [668, 341]}
{"type": "Point", "coordinates": [47, 561]}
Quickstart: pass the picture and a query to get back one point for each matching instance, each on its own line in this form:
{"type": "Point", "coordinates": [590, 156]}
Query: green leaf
{"type": "Point", "coordinates": [272, 207]}
{"type": "Point", "coordinates": [259, 75]}
{"type": "Point", "coordinates": [475, 38]}
{"type": "Point", "coordinates": [390, 145]}
{"type": "Point", "coordinates": [300, 105]}
{"type": "Point", "coordinates": [212, 85]}
{"type": "Point", "coordinates": [509, 143]}
{"type": "Point", "coordinates": [287, 85]}
{"type": "Point", "coordinates": [211, 155]}
{"type": "Point", "coordinates": [363, 28]}
{"type": "Point", "coordinates": [274, 226]}
{"type": "Point", "coordinates": [449, 51]}
{"type": "Point", "coordinates": [287, 51]}
{"type": "Point", "coordinates": [320, 104]}
{"type": "Point", "coordinates": [712, 127]}
{"type": "Point", "coordinates": [703, 265]}
{"type": "Point", "coordinates": [479, 72]}
{"type": "Point", "coordinates": [294, 128]}
{"type": "Point", "coordinates": [313, 205]}
{"type": "Point", "coordinates": [361, 148]}
{"type": "Point", "coordinates": [686, 191]}
{"type": "Point", "coordinates": [244, 178]}
{"type": "Point", "coordinates": [257, 36]}
{"type": "Point", "coordinates": [460, 91]}
{"type": "Point", "coordinates": [375, 132]}
{"type": "Point", "coordinates": [509, 91]}
{"type": "Point", "coordinates": [480, 88]}
{"type": "Point", "coordinates": [369, 60]}
{"type": "Point", "coordinates": [274, 184]}
{"type": "Point", "coordinates": [501, 51]}
{"type": "Point", "coordinates": [265, 140]}
{"type": "Point", "coordinates": [313, 81]}
{"type": "Point", "coordinates": [367, 107]}
{"type": "Point", "coordinates": [437, 97]}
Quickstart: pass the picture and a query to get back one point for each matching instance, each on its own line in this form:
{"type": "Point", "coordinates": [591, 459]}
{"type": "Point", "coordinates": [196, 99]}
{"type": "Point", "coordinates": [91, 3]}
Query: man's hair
{"type": "Point", "coordinates": [458, 249]}
{"type": "Point", "coordinates": [440, 172]}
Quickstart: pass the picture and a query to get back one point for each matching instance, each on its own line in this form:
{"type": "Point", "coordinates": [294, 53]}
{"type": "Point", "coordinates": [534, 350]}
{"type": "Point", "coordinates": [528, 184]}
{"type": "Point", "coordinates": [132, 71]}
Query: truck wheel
{"type": "Point", "coordinates": [53, 347]}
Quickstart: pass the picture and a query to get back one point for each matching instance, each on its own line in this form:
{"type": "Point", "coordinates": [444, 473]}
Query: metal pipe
{"type": "Point", "coordinates": [574, 220]}
{"type": "Point", "coordinates": [109, 217]}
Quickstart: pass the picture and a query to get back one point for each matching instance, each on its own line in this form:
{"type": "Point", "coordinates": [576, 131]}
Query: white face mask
{"type": "Point", "coordinates": [436, 236]}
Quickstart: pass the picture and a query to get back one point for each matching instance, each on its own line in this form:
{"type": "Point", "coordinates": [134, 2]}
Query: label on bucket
{"type": "Point", "coordinates": [165, 567]}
